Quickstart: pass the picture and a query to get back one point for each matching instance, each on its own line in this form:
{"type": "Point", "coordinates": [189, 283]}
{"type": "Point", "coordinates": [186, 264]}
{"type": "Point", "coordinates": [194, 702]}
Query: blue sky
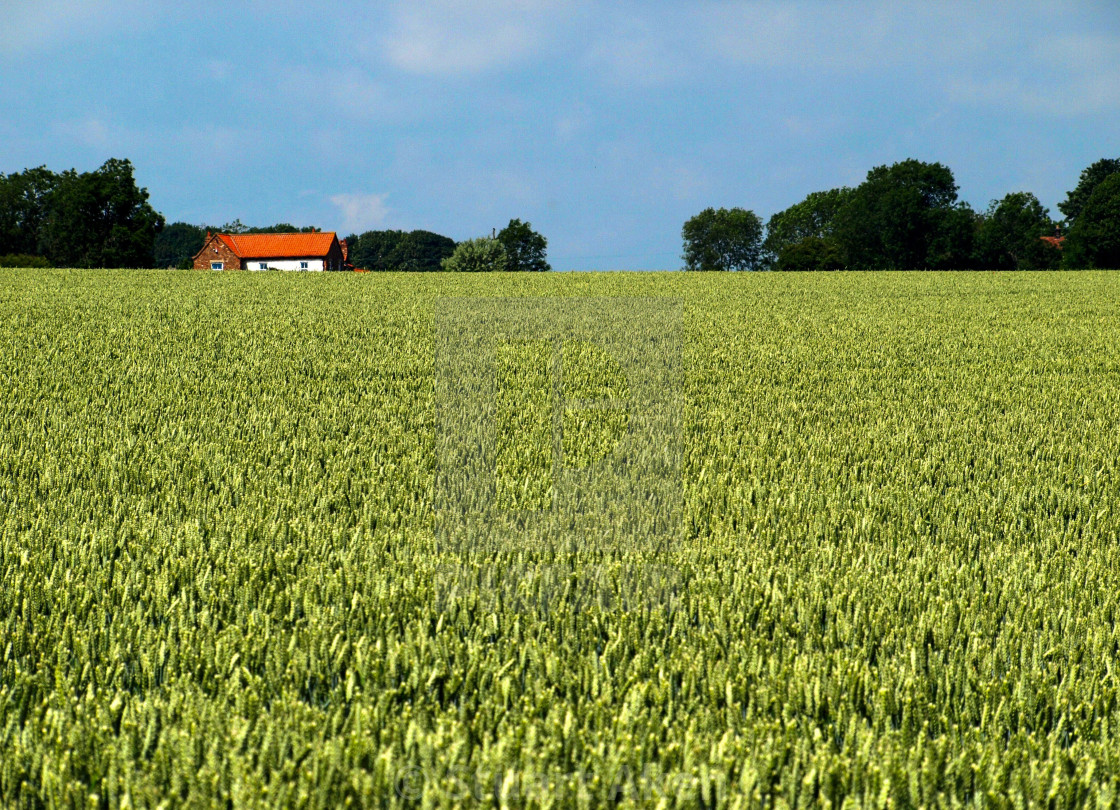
{"type": "Point", "coordinates": [605, 124]}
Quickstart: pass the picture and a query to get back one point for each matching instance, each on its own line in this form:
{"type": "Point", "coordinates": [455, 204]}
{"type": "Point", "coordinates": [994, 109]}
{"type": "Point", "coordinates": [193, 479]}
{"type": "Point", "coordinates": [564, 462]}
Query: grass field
{"type": "Point", "coordinates": [891, 576]}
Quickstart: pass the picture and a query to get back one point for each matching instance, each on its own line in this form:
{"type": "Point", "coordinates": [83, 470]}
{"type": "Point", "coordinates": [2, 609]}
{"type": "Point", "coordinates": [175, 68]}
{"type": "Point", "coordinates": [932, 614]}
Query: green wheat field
{"type": "Point", "coordinates": [891, 576]}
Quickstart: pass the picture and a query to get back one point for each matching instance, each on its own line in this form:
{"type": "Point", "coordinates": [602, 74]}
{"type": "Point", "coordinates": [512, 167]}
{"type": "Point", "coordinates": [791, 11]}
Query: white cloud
{"type": "Point", "coordinates": [658, 44]}
{"type": "Point", "coordinates": [572, 122]}
{"type": "Point", "coordinates": [643, 58]}
{"type": "Point", "coordinates": [348, 93]}
{"type": "Point", "coordinates": [462, 37]}
{"type": "Point", "coordinates": [1087, 95]}
{"type": "Point", "coordinates": [1065, 60]}
{"type": "Point", "coordinates": [361, 212]}
{"type": "Point", "coordinates": [860, 35]}
{"type": "Point", "coordinates": [681, 182]}
{"type": "Point", "coordinates": [219, 69]}
{"type": "Point", "coordinates": [91, 132]}
{"type": "Point", "coordinates": [1059, 75]}
{"type": "Point", "coordinates": [219, 145]}
{"type": "Point", "coordinates": [32, 25]}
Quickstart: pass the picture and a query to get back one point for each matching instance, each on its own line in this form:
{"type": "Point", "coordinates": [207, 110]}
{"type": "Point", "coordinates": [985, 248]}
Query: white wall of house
{"type": "Point", "coordinates": [313, 265]}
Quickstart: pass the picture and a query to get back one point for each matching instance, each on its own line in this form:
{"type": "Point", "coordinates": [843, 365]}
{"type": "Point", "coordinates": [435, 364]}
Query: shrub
{"type": "Point", "coordinates": [811, 253]}
{"type": "Point", "coordinates": [23, 260]}
{"type": "Point", "coordinates": [484, 254]}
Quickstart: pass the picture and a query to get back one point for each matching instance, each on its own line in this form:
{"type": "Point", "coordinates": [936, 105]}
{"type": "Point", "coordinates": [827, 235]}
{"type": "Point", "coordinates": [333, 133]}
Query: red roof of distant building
{"type": "Point", "coordinates": [278, 245]}
{"type": "Point", "coordinates": [1056, 241]}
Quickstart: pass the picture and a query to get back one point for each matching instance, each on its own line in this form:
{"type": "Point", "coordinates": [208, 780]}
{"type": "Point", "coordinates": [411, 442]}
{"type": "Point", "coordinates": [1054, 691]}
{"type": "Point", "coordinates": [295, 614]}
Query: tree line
{"type": "Point", "coordinates": [902, 217]}
{"type": "Point", "coordinates": [178, 243]}
{"type": "Point", "coordinates": [907, 217]}
{"type": "Point", "coordinates": [103, 219]}
{"type": "Point", "coordinates": [516, 247]}
{"type": "Point", "coordinates": [71, 219]}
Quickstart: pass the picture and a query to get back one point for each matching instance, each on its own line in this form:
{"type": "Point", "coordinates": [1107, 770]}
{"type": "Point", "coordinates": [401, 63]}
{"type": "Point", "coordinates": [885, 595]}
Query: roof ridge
{"type": "Point", "coordinates": [275, 245]}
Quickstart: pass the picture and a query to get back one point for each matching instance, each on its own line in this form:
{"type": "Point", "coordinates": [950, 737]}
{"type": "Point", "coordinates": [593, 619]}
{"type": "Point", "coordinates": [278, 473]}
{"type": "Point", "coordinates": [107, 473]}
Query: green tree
{"type": "Point", "coordinates": [905, 217]}
{"type": "Point", "coordinates": [953, 243]}
{"type": "Point", "coordinates": [415, 251]}
{"type": "Point", "coordinates": [23, 206]}
{"type": "Point", "coordinates": [1090, 179]}
{"type": "Point", "coordinates": [282, 227]}
{"type": "Point", "coordinates": [477, 255]}
{"type": "Point", "coordinates": [235, 227]}
{"type": "Point", "coordinates": [812, 218]}
{"type": "Point", "coordinates": [23, 260]}
{"type": "Point", "coordinates": [239, 227]}
{"type": "Point", "coordinates": [1094, 239]}
{"type": "Point", "coordinates": [1010, 235]}
{"type": "Point", "coordinates": [422, 251]}
{"type": "Point", "coordinates": [723, 239]}
{"type": "Point", "coordinates": [373, 250]}
{"type": "Point", "coordinates": [811, 253]}
{"type": "Point", "coordinates": [525, 248]}
{"type": "Point", "coordinates": [177, 244]}
{"type": "Point", "coordinates": [100, 219]}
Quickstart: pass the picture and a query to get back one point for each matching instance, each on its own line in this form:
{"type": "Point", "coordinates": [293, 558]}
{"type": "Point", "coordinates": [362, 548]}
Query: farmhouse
{"type": "Point", "coordinates": [272, 251]}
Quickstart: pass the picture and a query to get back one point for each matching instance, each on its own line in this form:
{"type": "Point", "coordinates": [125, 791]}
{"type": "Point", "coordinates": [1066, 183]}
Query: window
{"type": "Point", "coordinates": [264, 265]}
{"type": "Point", "coordinates": [303, 265]}
{"type": "Point", "coordinates": [217, 265]}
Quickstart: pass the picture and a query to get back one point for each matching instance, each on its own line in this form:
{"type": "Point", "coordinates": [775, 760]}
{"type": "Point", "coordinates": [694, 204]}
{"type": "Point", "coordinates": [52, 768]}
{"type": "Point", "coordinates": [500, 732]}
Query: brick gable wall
{"type": "Point", "coordinates": [335, 257]}
{"type": "Point", "coordinates": [216, 251]}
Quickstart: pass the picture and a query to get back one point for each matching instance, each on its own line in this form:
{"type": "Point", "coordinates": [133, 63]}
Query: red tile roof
{"type": "Point", "coordinates": [1056, 241]}
{"type": "Point", "coordinates": [278, 245]}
